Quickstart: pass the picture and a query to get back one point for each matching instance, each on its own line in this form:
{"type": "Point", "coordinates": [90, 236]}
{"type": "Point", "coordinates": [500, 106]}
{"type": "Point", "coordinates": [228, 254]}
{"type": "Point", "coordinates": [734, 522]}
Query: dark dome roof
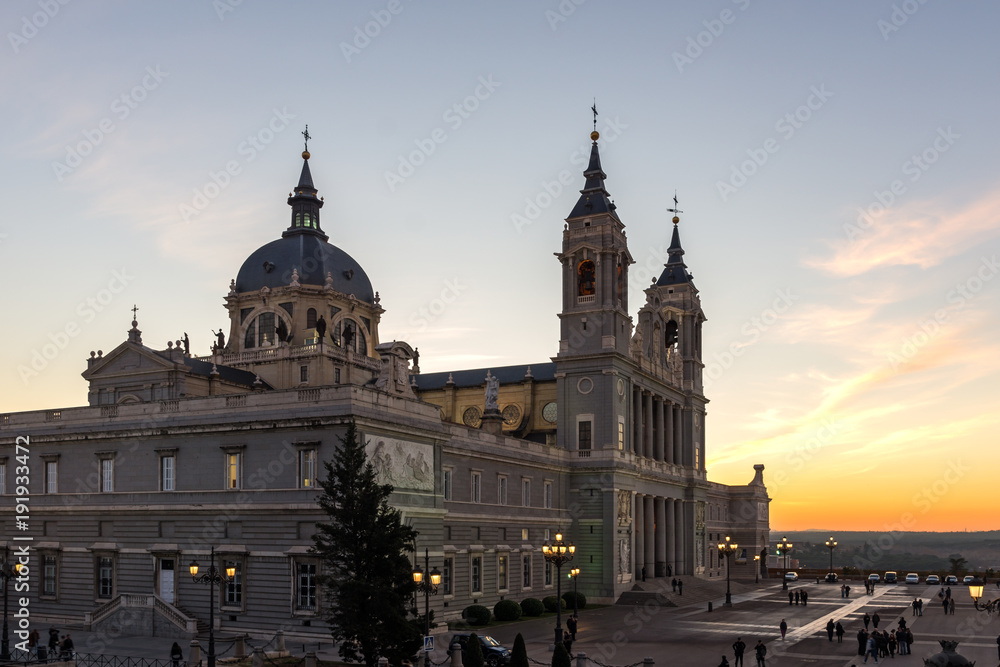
{"type": "Point", "coordinates": [271, 266]}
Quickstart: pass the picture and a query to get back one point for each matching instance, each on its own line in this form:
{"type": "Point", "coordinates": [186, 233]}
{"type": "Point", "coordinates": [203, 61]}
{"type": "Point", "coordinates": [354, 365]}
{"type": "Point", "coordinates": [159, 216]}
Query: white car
{"type": "Point", "coordinates": [913, 578]}
{"type": "Point", "coordinates": [791, 576]}
{"type": "Point", "coordinates": [874, 578]}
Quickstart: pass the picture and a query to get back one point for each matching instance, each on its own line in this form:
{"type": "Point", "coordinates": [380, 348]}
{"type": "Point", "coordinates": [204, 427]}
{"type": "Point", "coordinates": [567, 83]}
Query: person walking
{"type": "Point", "coordinates": [66, 648]}
{"type": "Point", "coordinates": [680, 587]}
{"type": "Point", "coordinates": [915, 601]}
{"type": "Point", "coordinates": [944, 604]}
{"type": "Point", "coordinates": [830, 627]}
{"type": "Point", "coordinates": [862, 640]}
{"type": "Point", "coordinates": [951, 606]}
{"type": "Point", "coordinates": [739, 646]}
{"type": "Point", "coordinates": [840, 633]}
{"type": "Point", "coordinates": [805, 597]}
{"type": "Point", "coordinates": [760, 651]}
{"type": "Point", "coordinates": [673, 585]}
{"type": "Point", "coordinates": [875, 620]}
{"type": "Point", "coordinates": [33, 640]}
{"type": "Point", "coordinates": [570, 626]}
{"type": "Point", "coordinates": [53, 640]}
{"type": "Point", "coordinates": [796, 598]}
{"type": "Point", "coordinates": [920, 607]}
{"type": "Point", "coordinates": [847, 591]}
{"type": "Point", "coordinates": [866, 619]}
{"type": "Point", "coordinates": [893, 644]}
{"type": "Point", "coordinates": [871, 649]}
{"type": "Point", "coordinates": [176, 655]}
{"type": "Point", "coordinates": [784, 628]}
{"type": "Point", "coordinates": [791, 597]}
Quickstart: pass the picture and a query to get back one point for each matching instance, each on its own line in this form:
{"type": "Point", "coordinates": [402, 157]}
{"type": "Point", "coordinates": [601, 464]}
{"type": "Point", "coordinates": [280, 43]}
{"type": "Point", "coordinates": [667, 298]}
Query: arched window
{"type": "Point", "coordinates": [671, 335]}
{"type": "Point", "coordinates": [261, 332]}
{"type": "Point", "coordinates": [585, 278]}
{"type": "Point", "coordinates": [311, 318]}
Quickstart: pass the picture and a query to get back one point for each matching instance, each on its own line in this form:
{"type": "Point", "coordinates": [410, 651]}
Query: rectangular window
{"type": "Point", "coordinates": [548, 573]}
{"type": "Point", "coordinates": [107, 475]}
{"type": "Point", "coordinates": [477, 484]}
{"type": "Point", "coordinates": [502, 561]}
{"type": "Point", "coordinates": [526, 492]}
{"type": "Point", "coordinates": [501, 489]}
{"type": "Point", "coordinates": [51, 477]}
{"type": "Point", "coordinates": [307, 468]}
{"type": "Point", "coordinates": [336, 376]}
{"type": "Point", "coordinates": [305, 586]}
{"type": "Point", "coordinates": [303, 374]}
{"type": "Point", "coordinates": [477, 574]}
{"type": "Point", "coordinates": [446, 570]}
{"type": "Point", "coordinates": [234, 470]}
{"type": "Point", "coordinates": [621, 435]}
{"type": "Point", "coordinates": [49, 575]}
{"type": "Point", "coordinates": [446, 483]}
{"type": "Point", "coordinates": [167, 468]}
{"type": "Point", "coordinates": [584, 435]}
{"type": "Point", "coordinates": [524, 534]}
{"type": "Point", "coordinates": [526, 571]}
{"type": "Point", "coordinates": [548, 495]}
{"type": "Point", "coordinates": [234, 587]}
{"type": "Point", "coordinates": [105, 578]}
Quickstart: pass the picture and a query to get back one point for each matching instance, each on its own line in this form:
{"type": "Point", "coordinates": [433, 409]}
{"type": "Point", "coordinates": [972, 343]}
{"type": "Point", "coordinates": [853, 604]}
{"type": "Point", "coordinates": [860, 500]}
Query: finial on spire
{"type": "Point", "coordinates": [595, 135]}
{"type": "Point", "coordinates": [675, 210]}
{"type": "Point", "coordinates": [305, 133]}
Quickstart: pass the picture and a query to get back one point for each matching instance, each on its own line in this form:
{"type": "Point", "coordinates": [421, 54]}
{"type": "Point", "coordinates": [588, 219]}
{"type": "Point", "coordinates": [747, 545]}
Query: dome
{"type": "Point", "coordinates": [272, 265]}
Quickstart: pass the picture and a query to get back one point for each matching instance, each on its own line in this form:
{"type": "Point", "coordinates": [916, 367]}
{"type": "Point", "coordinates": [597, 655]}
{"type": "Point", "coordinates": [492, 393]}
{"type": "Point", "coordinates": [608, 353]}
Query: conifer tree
{"type": "Point", "coordinates": [367, 575]}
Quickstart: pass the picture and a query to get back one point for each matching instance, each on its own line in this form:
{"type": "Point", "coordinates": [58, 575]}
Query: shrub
{"type": "Point", "coordinates": [532, 607]}
{"type": "Point", "coordinates": [507, 610]}
{"type": "Point", "coordinates": [552, 603]}
{"type": "Point", "coordinates": [477, 614]}
{"type": "Point", "coordinates": [519, 655]}
{"type": "Point", "coordinates": [581, 600]}
{"type": "Point", "coordinates": [472, 656]}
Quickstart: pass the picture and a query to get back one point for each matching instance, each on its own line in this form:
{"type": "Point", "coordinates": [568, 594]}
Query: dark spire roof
{"type": "Point", "coordinates": [675, 270]}
{"type": "Point", "coordinates": [304, 202]}
{"type": "Point", "coordinates": [594, 198]}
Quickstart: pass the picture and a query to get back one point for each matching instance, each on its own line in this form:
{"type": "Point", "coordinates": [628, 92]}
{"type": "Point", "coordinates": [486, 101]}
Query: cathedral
{"type": "Point", "coordinates": [177, 458]}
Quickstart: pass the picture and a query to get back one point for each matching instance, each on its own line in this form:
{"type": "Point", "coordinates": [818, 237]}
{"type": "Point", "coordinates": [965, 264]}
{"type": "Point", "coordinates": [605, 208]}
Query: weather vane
{"type": "Point", "coordinates": [676, 211]}
{"type": "Point", "coordinates": [594, 109]}
{"type": "Point", "coordinates": [305, 134]}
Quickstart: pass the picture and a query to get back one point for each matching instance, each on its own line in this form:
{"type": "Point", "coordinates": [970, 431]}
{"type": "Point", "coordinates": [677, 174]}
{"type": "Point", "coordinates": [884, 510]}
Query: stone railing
{"type": "Point", "coordinates": [142, 601]}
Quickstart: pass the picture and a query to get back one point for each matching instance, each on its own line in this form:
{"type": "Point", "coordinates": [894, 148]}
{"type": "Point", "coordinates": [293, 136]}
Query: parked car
{"type": "Point", "coordinates": [831, 577]}
{"type": "Point", "coordinates": [951, 580]}
{"type": "Point", "coordinates": [968, 579]}
{"type": "Point", "coordinates": [913, 578]}
{"type": "Point", "coordinates": [932, 579]}
{"type": "Point", "coordinates": [874, 578]}
{"type": "Point", "coordinates": [791, 576]}
{"type": "Point", "coordinates": [890, 577]}
{"type": "Point", "coordinates": [494, 654]}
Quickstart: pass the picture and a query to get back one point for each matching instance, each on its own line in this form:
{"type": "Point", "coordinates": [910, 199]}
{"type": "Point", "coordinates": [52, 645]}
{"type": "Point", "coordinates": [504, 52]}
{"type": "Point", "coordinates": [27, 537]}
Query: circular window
{"type": "Point", "coordinates": [472, 417]}
{"type": "Point", "coordinates": [621, 387]}
{"type": "Point", "coordinates": [511, 415]}
{"type": "Point", "coordinates": [550, 412]}
{"type": "Point", "coordinates": [585, 385]}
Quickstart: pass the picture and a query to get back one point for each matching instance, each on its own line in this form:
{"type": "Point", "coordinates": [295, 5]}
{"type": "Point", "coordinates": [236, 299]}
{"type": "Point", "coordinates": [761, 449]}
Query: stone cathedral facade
{"type": "Point", "coordinates": [176, 455]}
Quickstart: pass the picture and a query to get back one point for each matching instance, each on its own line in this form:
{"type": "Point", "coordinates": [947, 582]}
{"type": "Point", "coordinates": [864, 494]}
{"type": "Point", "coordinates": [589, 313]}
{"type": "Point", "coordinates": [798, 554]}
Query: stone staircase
{"type": "Point", "coordinates": [696, 591]}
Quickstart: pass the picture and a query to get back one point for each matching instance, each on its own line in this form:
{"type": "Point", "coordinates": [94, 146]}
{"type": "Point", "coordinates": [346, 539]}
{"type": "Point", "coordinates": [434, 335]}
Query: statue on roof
{"type": "Point", "coordinates": [492, 389]}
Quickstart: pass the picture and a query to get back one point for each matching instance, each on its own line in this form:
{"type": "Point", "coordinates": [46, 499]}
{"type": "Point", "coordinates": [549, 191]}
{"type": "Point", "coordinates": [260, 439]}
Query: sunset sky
{"type": "Point", "coordinates": [836, 163]}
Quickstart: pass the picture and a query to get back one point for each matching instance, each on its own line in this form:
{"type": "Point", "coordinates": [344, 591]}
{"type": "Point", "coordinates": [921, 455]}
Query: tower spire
{"type": "Point", "coordinates": [594, 198]}
{"type": "Point", "coordinates": [304, 202]}
{"type": "Point", "coordinates": [675, 270]}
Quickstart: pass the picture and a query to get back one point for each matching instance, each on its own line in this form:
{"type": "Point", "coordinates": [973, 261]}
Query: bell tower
{"type": "Point", "coordinates": [595, 261]}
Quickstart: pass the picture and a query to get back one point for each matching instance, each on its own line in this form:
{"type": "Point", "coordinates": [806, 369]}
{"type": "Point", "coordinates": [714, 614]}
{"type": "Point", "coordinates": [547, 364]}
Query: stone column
{"type": "Point", "coordinates": [650, 538]}
{"type": "Point", "coordinates": [637, 423]}
{"type": "Point", "coordinates": [678, 437]}
{"type": "Point", "coordinates": [638, 526]}
{"type": "Point", "coordinates": [658, 444]}
{"type": "Point", "coordinates": [668, 428]}
{"type": "Point", "coordinates": [680, 553]}
{"type": "Point", "coordinates": [671, 533]}
{"type": "Point", "coordinates": [661, 535]}
{"type": "Point", "coordinates": [647, 424]}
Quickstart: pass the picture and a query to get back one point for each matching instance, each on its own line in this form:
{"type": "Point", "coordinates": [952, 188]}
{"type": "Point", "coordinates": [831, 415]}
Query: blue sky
{"type": "Point", "coordinates": [836, 162]}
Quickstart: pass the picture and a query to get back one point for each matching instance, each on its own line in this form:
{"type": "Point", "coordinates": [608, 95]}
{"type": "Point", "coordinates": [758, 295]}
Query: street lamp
{"type": "Point", "coordinates": [756, 569]}
{"type": "Point", "coordinates": [213, 577]}
{"type": "Point", "coordinates": [783, 548]}
{"type": "Point", "coordinates": [558, 553]}
{"type": "Point", "coordinates": [429, 588]}
{"type": "Point", "coordinates": [727, 549]}
{"type": "Point", "coordinates": [831, 544]}
{"type": "Point", "coordinates": [575, 572]}
{"type": "Point", "coordinates": [976, 591]}
{"type": "Point", "coordinates": [7, 573]}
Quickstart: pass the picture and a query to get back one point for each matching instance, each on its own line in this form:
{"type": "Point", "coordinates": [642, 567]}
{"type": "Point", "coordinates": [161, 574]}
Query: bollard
{"type": "Point", "coordinates": [581, 659]}
{"type": "Point", "coordinates": [647, 662]}
{"type": "Point", "coordinates": [194, 653]}
{"type": "Point", "coordinates": [240, 649]}
{"type": "Point", "coordinates": [710, 605]}
{"type": "Point", "coordinates": [279, 640]}
{"type": "Point", "coordinates": [310, 659]}
{"type": "Point", "coordinates": [383, 662]}
{"type": "Point", "coordinates": [258, 657]}
{"type": "Point", "coordinates": [456, 655]}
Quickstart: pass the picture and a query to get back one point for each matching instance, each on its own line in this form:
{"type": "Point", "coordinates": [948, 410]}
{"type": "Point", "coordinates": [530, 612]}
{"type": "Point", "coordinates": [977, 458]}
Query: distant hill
{"type": "Point", "coordinates": [894, 550]}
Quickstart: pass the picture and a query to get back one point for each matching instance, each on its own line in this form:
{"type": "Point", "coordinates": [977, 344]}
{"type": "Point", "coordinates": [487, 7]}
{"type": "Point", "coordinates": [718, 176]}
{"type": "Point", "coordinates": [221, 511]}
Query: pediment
{"type": "Point", "coordinates": [128, 359]}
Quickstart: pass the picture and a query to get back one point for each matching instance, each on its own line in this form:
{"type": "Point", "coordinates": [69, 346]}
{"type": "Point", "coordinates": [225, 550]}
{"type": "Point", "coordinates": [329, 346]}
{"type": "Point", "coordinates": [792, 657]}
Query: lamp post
{"type": "Point", "coordinates": [575, 572]}
{"type": "Point", "coordinates": [213, 577]}
{"type": "Point", "coordinates": [784, 547]}
{"type": "Point", "coordinates": [727, 549]}
{"type": "Point", "coordinates": [976, 591]}
{"type": "Point", "coordinates": [558, 553]}
{"type": "Point", "coordinates": [428, 585]}
{"type": "Point", "coordinates": [756, 569]}
{"type": "Point", "coordinates": [831, 544]}
{"type": "Point", "coordinates": [7, 573]}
